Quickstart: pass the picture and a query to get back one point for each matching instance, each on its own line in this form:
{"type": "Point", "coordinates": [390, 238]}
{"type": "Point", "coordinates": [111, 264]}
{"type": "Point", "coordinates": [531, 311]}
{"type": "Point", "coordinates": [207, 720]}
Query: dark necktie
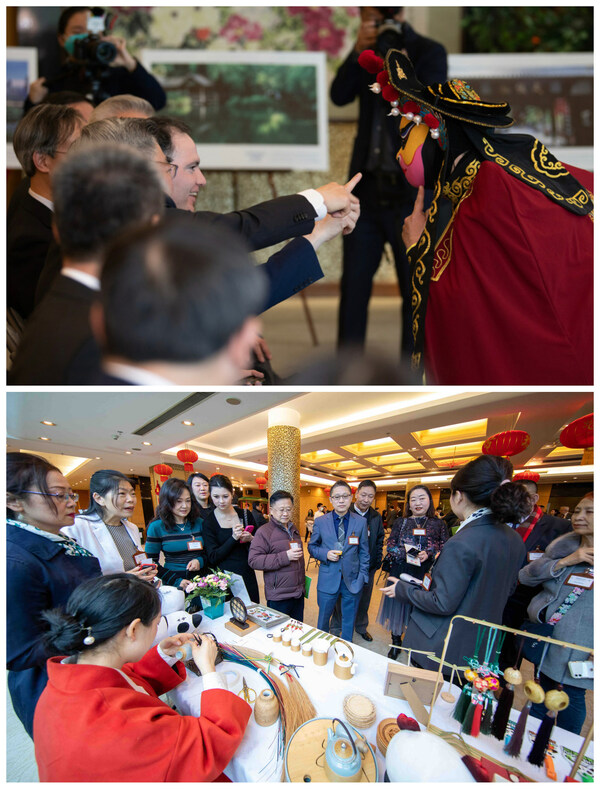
{"type": "Point", "coordinates": [341, 534]}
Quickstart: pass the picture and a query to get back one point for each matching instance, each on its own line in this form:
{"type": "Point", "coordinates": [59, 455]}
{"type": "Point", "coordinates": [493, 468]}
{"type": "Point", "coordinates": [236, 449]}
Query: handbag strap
{"type": "Point", "coordinates": [569, 600]}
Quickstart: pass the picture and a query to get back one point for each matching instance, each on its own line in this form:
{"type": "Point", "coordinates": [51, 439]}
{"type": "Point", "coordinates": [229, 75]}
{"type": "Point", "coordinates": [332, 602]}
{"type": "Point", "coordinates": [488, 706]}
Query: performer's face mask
{"type": "Point", "coordinates": [419, 155]}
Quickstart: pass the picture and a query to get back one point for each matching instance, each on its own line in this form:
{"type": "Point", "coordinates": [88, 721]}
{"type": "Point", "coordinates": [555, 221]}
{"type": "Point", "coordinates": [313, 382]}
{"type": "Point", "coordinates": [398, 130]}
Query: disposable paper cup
{"type": "Point", "coordinates": [277, 636]}
{"type": "Point", "coordinates": [307, 650]}
{"type": "Point", "coordinates": [296, 644]}
{"type": "Point", "coordinates": [287, 639]}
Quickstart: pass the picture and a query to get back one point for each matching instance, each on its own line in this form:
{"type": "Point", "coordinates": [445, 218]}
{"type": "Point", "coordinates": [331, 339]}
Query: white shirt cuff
{"type": "Point", "coordinates": [169, 660]}
{"type": "Point", "coordinates": [214, 681]}
{"type": "Point", "coordinates": [316, 200]}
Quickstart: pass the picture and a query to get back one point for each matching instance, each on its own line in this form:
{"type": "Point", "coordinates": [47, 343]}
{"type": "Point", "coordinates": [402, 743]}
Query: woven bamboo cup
{"type": "Point", "coordinates": [266, 708]}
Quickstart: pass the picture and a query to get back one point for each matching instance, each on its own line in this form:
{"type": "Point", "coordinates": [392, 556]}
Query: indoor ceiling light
{"type": "Point", "coordinates": [398, 407]}
{"type": "Point", "coordinates": [188, 424]}
{"type": "Point", "coordinates": [458, 432]}
{"type": "Point", "coordinates": [46, 422]}
{"type": "Point", "coordinates": [43, 438]}
{"type": "Point", "coordinates": [146, 443]}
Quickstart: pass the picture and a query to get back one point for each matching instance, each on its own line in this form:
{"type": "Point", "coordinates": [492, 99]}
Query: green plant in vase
{"type": "Point", "coordinates": [212, 590]}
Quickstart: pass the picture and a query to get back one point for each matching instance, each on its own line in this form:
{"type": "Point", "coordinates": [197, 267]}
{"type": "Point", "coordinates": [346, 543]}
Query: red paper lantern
{"type": "Point", "coordinates": [509, 442]}
{"type": "Point", "coordinates": [163, 471]}
{"type": "Point", "coordinates": [579, 434]}
{"type": "Point", "coordinates": [532, 475]}
{"type": "Point", "coordinates": [352, 490]}
{"type": "Point", "coordinates": [261, 482]}
{"type": "Point", "coordinates": [327, 491]}
{"type": "Point", "coordinates": [187, 457]}
{"type": "Point", "coordinates": [157, 489]}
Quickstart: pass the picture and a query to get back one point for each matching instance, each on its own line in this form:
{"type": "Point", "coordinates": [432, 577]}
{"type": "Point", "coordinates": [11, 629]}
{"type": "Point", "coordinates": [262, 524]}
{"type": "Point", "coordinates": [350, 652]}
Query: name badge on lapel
{"type": "Point", "coordinates": [419, 532]}
{"type": "Point", "coordinates": [195, 545]}
{"type": "Point", "coordinates": [533, 555]}
{"type": "Point", "coordinates": [353, 540]}
{"type": "Point", "coordinates": [585, 580]}
{"type": "Point", "coordinates": [139, 557]}
{"type": "Point", "coordinates": [427, 581]}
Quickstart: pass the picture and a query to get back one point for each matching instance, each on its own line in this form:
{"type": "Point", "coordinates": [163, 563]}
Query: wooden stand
{"type": "Point", "coordinates": [420, 681]}
{"type": "Point", "coordinates": [305, 755]}
{"type": "Point", "coordinates": [240, 631]}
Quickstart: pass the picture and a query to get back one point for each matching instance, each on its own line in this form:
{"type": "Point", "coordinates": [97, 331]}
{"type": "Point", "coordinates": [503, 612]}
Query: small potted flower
{"type": "Point", "coordinates": [212, 590]}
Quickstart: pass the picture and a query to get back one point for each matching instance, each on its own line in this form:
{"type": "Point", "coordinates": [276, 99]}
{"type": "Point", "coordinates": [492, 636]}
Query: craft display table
{"type": "Point", "coordinates": [257, 758]}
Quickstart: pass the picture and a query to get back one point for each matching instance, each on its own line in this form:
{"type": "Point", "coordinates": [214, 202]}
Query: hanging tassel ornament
{"type": "Point", "coordinates": [468, 720]}
{"type": "Point", "coordinates": [477, 700]}
{"type": "Point", "coordinates": [488, 712]}
{"type": "Point", "coordinates": [462, 705]}
{"type": "Point", "coordinates": [504, 707]}
{"type": "Point", "coordinates": [555, 701]}
{"type": "Point", "coordinates": [514, 745]}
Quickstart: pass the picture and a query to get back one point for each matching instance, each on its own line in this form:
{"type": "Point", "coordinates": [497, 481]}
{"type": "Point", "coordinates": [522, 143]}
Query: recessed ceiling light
{"type": "Point", "coordinates": [233, 400]}
{"type": "Point", "coordinates": [127, 452]}
{"type": "Point", "coordinates": [46, 422]}
{"type": "Point", "coordinates": [43, 438]}
{"type": "Point", "coordinates": [130, 469]}
{"type": "Point", "coordinates": [185, 422]}
{"type": "Point", "coordinates": [97, 458]}
{"type": "Point", "coordinates": [146, 443]}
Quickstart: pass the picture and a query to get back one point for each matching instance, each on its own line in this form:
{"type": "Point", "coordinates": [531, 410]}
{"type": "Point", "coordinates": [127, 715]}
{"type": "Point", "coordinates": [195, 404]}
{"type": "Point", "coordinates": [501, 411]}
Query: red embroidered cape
{"type": "Point", "coordinates": [510, 302]}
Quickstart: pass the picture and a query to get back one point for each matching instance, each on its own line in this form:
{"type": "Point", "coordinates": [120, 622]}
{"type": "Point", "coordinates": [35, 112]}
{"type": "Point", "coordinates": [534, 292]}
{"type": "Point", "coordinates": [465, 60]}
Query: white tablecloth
{"type": "Point", "coordinates": [255, 759]}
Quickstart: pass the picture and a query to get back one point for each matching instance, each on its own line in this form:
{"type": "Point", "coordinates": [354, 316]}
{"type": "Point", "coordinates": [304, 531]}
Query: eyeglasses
{"type": "Point", "coordinates": [342, 497]}
{"type": "Point", "coordinates": [171, 168]}
{"type": "Point", "coordinates": [282, 510]}
{"type": "Point", "coordinates": [62, 496]}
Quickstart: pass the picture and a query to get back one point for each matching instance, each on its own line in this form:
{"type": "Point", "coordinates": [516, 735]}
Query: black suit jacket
{"type": "Point", "coordinates": [55, 332]}
{"type": "Point", "coordinates": [28, 236]}
{"type": "Point", "coordinates": [262, 225]}
{"type": "Point", "coordinates": [430, 62]}
{"type": "Point", "coordinates": [376, 536]}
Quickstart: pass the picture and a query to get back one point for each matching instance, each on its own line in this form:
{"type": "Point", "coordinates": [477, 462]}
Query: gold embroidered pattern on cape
{"type": "Point", "coordinates": [400, 72]}
{"type": "Point", "coordinates": [417, 253]}
{"type": "Point", "coordinates": [539, 159]}
{"type": "Point", "coordinates": [580, 198]}
{"type": "Point", "coordinates": [456, 191]}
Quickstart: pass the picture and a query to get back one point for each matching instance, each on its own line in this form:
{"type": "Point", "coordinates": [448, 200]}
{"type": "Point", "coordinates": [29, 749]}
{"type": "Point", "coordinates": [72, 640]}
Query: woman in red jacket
{"type": "Point", "coordinates": [100, 718]}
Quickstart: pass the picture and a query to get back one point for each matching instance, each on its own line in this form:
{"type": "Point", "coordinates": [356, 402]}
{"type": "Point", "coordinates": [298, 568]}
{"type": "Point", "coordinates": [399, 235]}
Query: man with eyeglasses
{"type": "Point", "coordinates": [98, 192]}
{"type": "Point", "coordinates": [363, 506]}
{"type": "Point", "coordinates": [340, 543]}
{"type": "Point", "coordinates": [41, 140]}
{"type": "Point", "coordinates": [277, 550]}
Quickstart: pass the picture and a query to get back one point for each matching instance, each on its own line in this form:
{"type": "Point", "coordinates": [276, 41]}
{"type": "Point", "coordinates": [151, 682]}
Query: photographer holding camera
{"type": "Point", "coordinates": [95, 64]}
{"type": "Point", "coordinates": [385, 195]}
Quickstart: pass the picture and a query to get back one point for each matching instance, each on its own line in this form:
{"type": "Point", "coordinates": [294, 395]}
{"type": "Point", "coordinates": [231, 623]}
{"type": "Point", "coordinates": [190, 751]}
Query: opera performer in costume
{"type": "Point", "coordinates": [502, 261]}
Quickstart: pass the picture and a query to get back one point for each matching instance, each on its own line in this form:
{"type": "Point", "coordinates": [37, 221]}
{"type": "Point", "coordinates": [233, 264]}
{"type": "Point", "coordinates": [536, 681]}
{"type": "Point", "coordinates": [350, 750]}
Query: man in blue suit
{"type": "Point", "coordinates": [340, 543]}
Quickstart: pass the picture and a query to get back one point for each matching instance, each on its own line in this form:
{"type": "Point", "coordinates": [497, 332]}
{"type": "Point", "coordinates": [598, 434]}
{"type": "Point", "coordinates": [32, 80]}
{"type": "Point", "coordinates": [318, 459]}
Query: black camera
{"type": "Point", "coordinates": [93, 51]}
{"type": "Point", "coordinates": [90, 49]}
{"type": "Point", "coordinates": [390, 35]}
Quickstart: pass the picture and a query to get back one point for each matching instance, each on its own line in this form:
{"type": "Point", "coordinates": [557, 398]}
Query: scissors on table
{"type": "Point", "coordinates": [249, 694]}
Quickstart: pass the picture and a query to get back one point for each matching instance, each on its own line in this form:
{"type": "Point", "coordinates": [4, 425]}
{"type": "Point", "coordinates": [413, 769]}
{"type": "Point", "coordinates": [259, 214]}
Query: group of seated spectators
{"type": "Point", "coordinates": [114, 278]}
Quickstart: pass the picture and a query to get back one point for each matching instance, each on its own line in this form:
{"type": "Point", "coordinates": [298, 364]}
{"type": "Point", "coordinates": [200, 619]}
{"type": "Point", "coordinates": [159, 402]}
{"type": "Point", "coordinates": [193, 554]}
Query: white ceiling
{"type": "Point", "coordinates": [102, 424]}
